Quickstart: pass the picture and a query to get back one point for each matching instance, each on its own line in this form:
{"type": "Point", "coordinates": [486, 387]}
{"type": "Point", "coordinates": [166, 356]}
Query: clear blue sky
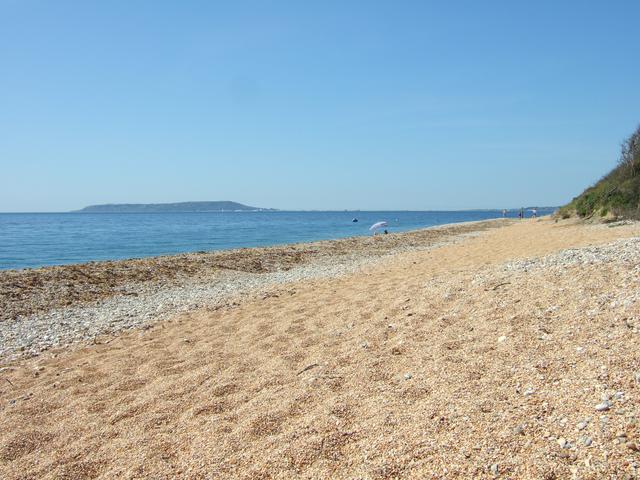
{"type": "Point", "coordinates": [313, 105]}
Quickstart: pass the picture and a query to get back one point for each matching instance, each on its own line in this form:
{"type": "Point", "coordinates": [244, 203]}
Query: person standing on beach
{"type": "Point", "coordinates": [534, 213]}
{"type": "Point", "coordinates": [504, 213]}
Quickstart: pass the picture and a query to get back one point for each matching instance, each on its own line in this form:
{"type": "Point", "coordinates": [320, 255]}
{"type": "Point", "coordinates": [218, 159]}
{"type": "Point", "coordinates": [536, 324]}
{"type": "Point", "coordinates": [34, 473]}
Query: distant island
{"type": "Point", "coordinates": [180, 207]}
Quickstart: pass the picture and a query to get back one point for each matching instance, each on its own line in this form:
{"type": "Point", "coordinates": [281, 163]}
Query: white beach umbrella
{"type": "Point", "coordinates": [378, 225]}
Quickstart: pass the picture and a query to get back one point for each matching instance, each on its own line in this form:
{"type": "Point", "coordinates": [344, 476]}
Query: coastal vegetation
{"type": "Point", "coordinates": [617, 194]}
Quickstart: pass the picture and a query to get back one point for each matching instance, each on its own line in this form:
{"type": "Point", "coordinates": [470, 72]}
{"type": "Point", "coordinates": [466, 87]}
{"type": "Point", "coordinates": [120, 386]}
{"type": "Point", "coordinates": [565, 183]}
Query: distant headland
{"type": "Point", "coordinates": [180, 207]}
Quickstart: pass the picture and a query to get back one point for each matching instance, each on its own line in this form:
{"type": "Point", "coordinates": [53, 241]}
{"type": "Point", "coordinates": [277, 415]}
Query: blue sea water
{"type": "Point", "coordinates": [29, 240]}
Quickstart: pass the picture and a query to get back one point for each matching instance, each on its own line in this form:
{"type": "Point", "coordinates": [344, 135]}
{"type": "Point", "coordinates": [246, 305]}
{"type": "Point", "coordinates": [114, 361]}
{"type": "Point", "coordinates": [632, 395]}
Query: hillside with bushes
{"type": "Point", "coordinates": [617, 194]}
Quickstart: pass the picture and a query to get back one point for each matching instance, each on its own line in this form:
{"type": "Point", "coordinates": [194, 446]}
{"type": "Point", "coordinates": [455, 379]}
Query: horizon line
{"type": "Point", "coordinates": [272, 210]}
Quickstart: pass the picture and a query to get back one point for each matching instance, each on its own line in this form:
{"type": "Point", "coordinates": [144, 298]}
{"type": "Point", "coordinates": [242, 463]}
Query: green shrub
{"type": "Point", "coordinates": [618, 192]}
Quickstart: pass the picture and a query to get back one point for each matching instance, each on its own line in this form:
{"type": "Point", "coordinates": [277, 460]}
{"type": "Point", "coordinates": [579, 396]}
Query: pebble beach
{"type": "Point", "coordinates": [53, 306]}
{"type": "Point", "coordinates": [498, 349]}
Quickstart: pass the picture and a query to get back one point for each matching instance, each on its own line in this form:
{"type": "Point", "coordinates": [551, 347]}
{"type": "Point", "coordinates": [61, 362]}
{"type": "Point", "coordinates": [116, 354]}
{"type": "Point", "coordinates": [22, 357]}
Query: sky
{"type": "Point", "coordinates": [424, 105]}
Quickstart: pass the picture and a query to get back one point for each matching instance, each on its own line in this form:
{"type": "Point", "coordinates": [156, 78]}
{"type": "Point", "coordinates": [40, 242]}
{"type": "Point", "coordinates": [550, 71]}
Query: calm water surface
{"type": "Point", "coordinates": [30, 240]}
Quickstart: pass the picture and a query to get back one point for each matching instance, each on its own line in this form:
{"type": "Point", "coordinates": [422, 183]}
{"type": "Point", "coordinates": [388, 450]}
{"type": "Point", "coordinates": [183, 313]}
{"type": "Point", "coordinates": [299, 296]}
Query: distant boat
{"type": "Point", "coordinates": [354, 220]}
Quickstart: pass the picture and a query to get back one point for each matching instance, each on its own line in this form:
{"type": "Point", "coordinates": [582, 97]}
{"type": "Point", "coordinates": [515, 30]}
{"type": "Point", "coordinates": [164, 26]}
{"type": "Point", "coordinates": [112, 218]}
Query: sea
{"type": "Point", "coordinates": [32, 240]}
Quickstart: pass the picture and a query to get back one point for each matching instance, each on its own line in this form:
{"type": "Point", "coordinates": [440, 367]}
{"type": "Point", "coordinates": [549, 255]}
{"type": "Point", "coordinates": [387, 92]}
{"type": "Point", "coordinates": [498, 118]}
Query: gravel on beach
{"type": "Point", "coordinates": [53, 306]}
{"type": "Point", "coordinates": [503, 353]}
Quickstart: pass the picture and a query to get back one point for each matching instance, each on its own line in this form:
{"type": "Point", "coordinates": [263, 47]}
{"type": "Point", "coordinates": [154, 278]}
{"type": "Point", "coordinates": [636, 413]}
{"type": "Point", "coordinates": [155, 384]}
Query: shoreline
{"type": "Point", "coordinates": [72, 242]}
{"type": "Point", "coordinates": [507, 352]}
{"type": "Point", "coordinates": [51, 307]}
{"type": "Point", "coordinates": [37, 269]}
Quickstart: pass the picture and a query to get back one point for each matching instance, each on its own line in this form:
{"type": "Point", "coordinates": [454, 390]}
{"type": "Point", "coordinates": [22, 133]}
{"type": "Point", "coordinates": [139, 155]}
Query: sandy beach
{"type": "Point", "coordinates": [498, 349]}
{"type": "Point", "coordinates": [52, 306]}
